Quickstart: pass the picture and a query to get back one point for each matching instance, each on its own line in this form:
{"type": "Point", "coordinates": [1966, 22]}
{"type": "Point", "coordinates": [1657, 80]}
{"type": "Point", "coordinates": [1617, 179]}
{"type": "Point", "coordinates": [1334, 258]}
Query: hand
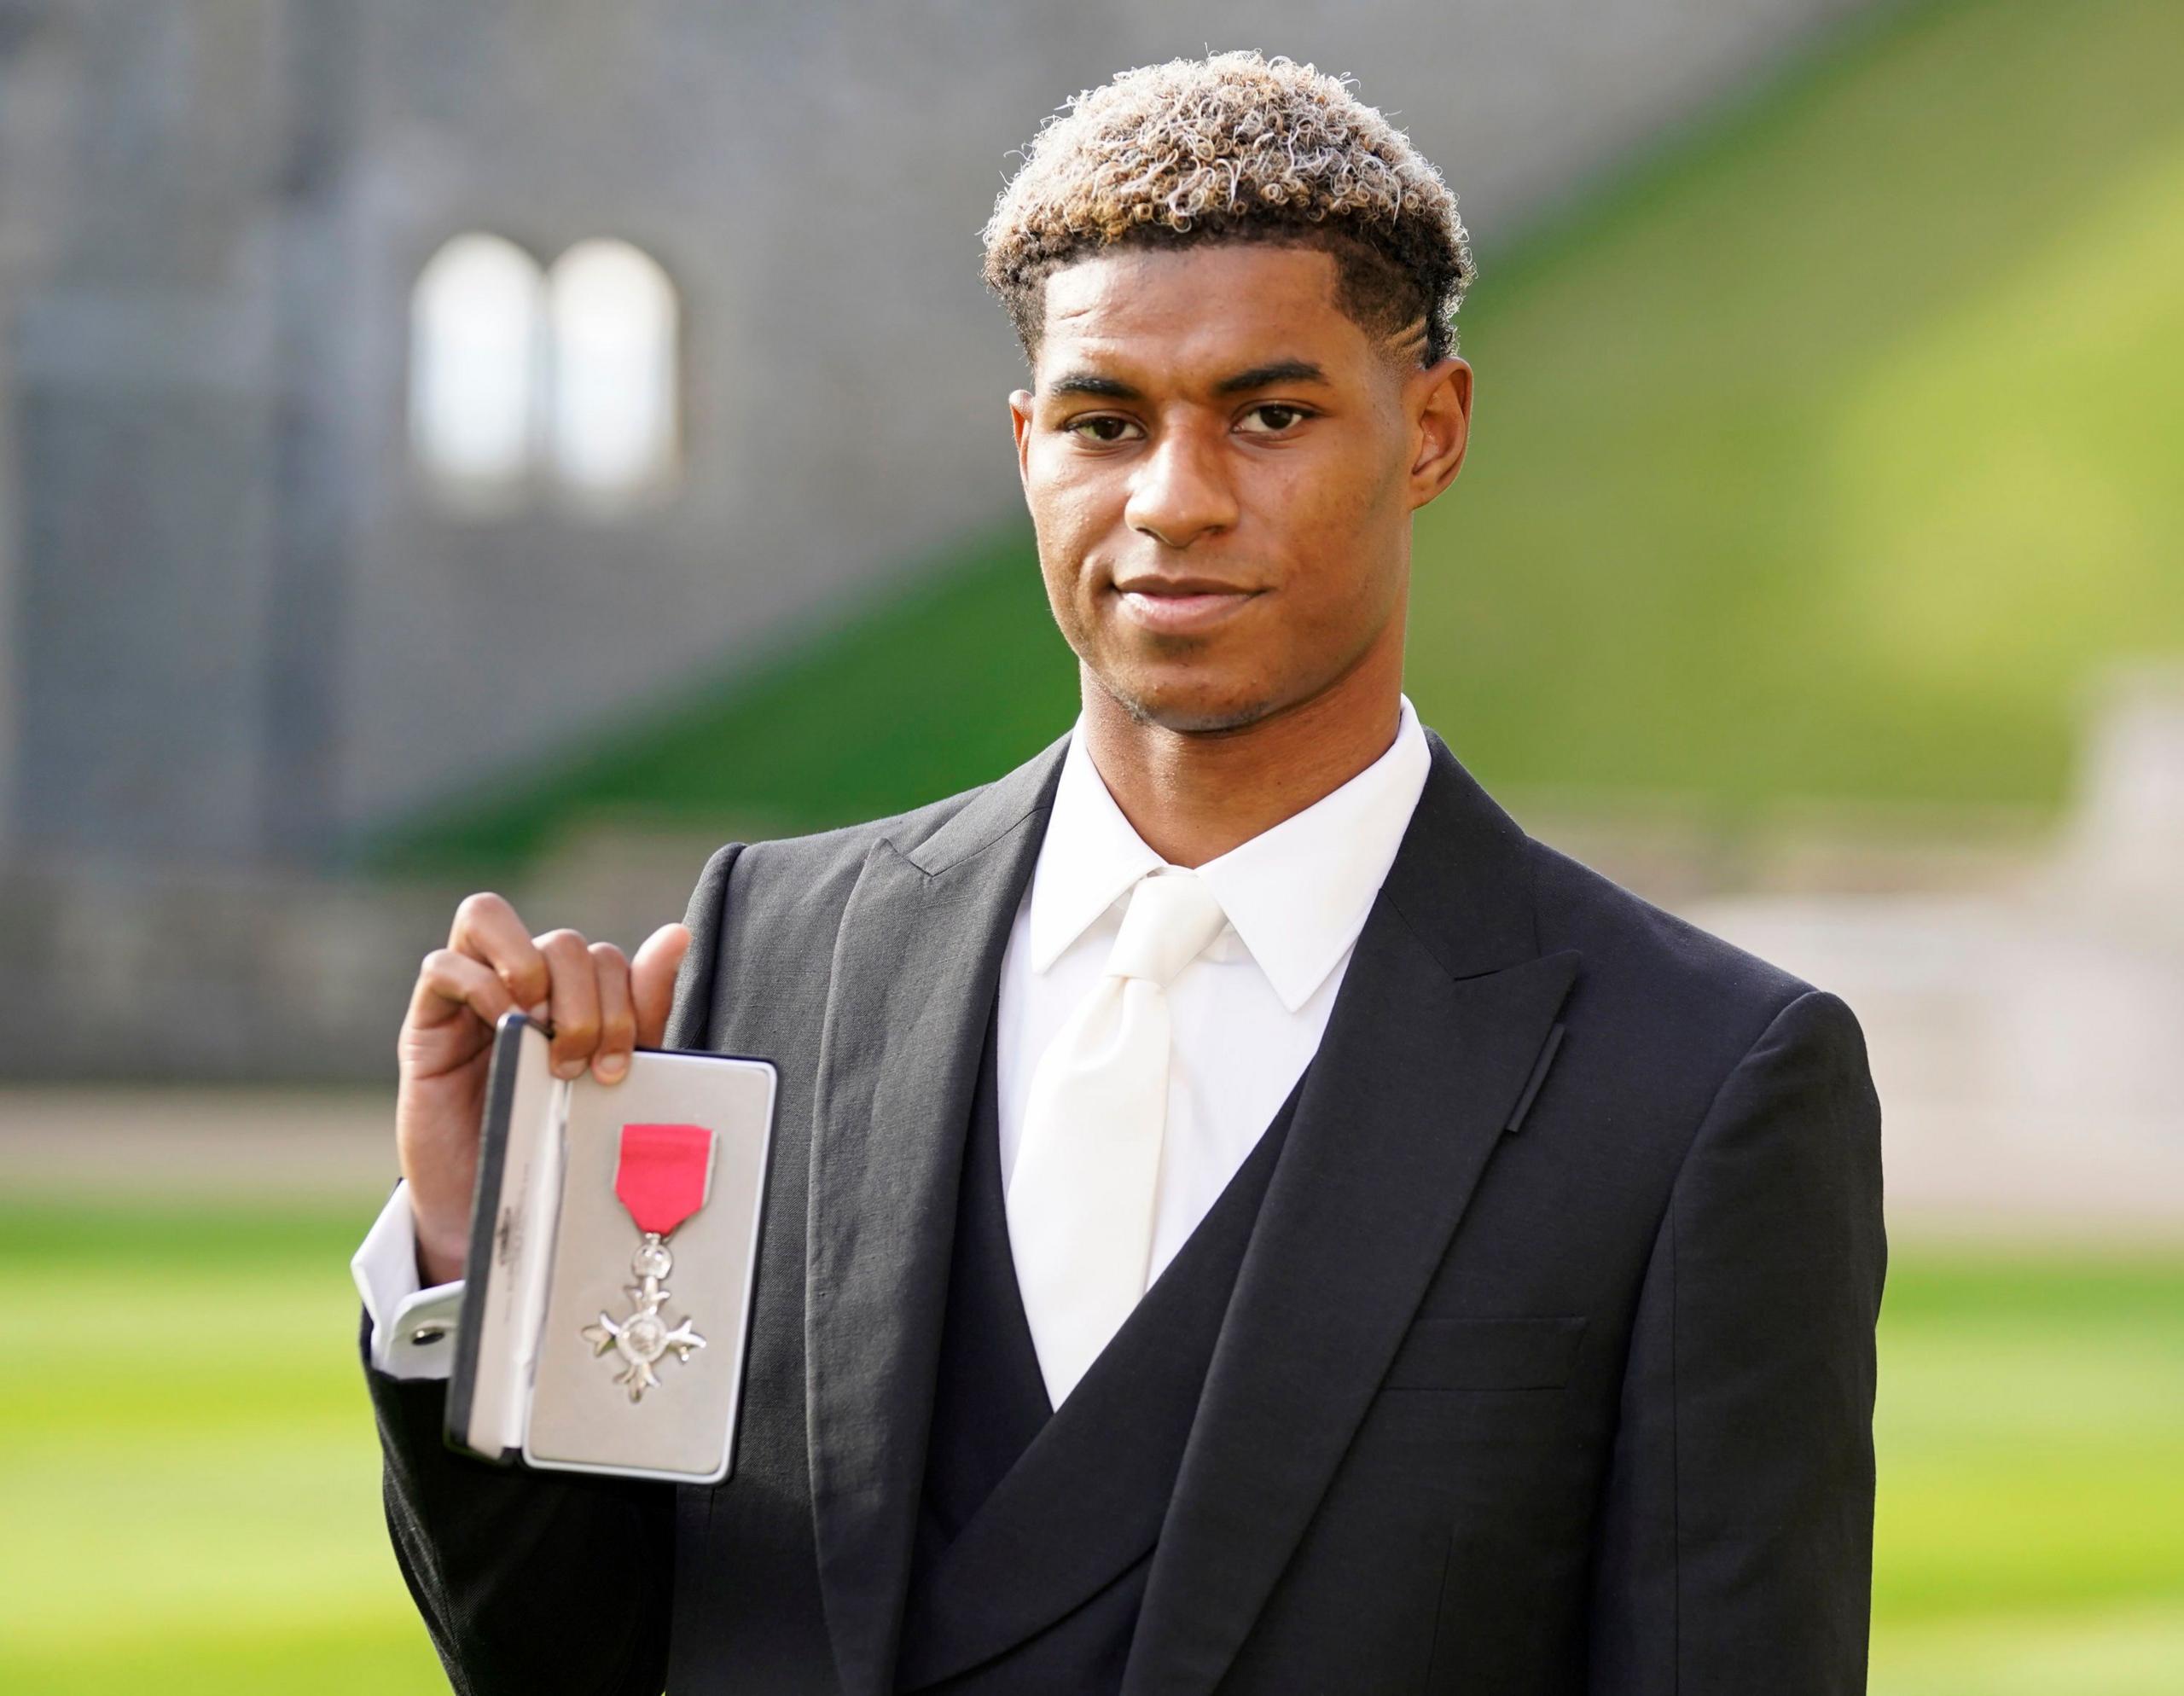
{"type": "Point", "coordinates": [600, 1005]}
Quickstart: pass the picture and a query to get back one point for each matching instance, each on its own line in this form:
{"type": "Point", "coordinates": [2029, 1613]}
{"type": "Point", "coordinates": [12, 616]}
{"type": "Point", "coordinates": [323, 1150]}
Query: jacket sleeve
{"type": "Point", "coordinates": [527, 1581]}
{"type": "Point", "coordinates": [532, 1581]}
{"type": "Point", "coordinates": [1734, 1546]}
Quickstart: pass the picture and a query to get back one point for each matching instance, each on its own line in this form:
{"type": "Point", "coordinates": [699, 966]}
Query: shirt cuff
{"type": "Point", "coordinates": [412, 1329]}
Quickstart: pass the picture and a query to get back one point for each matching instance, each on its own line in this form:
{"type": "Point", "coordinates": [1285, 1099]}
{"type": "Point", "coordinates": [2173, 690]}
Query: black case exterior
{"type": "Point", "coordinates": [485, 1212]}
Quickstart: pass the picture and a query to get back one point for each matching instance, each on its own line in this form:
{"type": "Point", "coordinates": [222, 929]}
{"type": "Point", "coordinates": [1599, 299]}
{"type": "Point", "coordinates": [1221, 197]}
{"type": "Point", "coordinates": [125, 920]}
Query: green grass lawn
{"type": "Point", "coordinates": [1825, 453]}
{"type": "Point", "coordinates": [2030, 1532]}
{"type": "Point", "coordinates": [191, 1499]}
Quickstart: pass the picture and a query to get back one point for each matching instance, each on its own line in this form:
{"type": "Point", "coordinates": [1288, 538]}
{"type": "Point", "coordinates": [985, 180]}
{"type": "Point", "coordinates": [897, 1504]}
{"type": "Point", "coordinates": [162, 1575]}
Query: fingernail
{"type": "Point", "coordinates": [569, 1068]}
{"type": "Point", "coordinates": [609, 1068]}
{"type": "Point", "coordinates": [537, 1014]}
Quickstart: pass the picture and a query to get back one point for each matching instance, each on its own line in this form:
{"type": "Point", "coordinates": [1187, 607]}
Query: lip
{"type": "Point", "coordinates": [1184, 607]}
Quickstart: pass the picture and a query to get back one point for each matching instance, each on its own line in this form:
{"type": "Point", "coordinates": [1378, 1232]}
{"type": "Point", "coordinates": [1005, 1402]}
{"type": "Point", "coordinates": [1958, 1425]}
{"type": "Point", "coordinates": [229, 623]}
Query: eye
{"type": "Point", "coordinates": [1104, 428]}
{"type": "Point", "coordinates": [1279, 417]}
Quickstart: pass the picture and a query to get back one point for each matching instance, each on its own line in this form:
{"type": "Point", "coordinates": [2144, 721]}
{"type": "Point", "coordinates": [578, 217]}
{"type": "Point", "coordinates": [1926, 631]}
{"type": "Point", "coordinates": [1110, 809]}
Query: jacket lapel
{"type": "Point", "coordinates": [916, 965]}
{"type": "Point", "coordinates": [1442, 1011]}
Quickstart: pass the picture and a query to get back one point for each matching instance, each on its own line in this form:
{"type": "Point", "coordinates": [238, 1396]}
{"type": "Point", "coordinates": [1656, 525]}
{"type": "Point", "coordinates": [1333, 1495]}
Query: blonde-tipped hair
{"type": "Point", "coordinates": [1236, 146]}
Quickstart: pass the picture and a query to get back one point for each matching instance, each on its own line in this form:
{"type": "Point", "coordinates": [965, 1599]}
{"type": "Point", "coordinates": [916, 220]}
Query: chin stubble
{"type": "Point", "coordinates": [1185, 723]}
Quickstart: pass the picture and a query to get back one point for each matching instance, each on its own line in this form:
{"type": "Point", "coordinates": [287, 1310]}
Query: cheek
{"type": "Point", "coordinates": [1334, 489]}
{"type": "Point", "coordinates": [1065, 521]}
{"type": "Point", "coordinates": [1334, 531]}
{"type": "Point", "coordinates": [1342, 573]}
{"type": "Point", "coordinates": [1069, 517]}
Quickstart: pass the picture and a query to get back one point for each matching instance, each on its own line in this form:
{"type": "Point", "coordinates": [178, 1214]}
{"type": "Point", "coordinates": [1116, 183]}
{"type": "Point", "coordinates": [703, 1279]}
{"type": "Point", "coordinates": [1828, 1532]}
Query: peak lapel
{"type": "Point", "coordinates": [1442, 1012]}
{"type": "Point", "coordinates": [917, 963]}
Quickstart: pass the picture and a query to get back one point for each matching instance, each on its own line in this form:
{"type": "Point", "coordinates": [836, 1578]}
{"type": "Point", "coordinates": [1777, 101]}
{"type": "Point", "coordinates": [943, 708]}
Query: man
{"type": "Point", "coordinates": [1244, 1216]}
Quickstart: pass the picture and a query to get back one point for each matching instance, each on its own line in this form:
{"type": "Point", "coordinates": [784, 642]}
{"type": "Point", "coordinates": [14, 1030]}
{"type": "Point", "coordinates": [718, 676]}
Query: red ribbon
{"type": "Point", "coordinates": [665, 1173]}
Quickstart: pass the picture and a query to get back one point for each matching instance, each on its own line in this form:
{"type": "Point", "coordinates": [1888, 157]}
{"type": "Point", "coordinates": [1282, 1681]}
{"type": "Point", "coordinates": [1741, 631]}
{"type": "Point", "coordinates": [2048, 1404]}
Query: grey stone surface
{"type": "Point", "coordinates": [119, 970]}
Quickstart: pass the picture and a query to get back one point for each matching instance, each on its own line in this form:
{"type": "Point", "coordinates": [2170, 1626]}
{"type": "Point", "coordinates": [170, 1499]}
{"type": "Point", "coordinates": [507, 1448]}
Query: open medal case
{"type": "Point", "coordinates": [585, 1344]}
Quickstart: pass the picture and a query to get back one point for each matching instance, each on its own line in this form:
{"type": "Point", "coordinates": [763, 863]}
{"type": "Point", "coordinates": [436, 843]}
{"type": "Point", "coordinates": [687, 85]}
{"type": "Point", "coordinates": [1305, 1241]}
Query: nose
{"type": "Point", "coordinates": [1180, 492]}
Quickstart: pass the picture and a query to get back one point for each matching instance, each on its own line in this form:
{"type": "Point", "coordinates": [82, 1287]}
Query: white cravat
{"type": "Point", "coordinates": [1248, 1013]}
{"type": "Point", "coordinates": [1080, 1200]}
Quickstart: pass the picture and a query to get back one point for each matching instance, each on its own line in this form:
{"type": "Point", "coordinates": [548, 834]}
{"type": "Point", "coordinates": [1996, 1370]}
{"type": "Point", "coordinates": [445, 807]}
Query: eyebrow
{"type": "Point", "coordinates": [1258, 377]}
{"type": "Point", "coordinates": [1086, 382]}
{"type": "Point", "coordinates": [1264, 376]}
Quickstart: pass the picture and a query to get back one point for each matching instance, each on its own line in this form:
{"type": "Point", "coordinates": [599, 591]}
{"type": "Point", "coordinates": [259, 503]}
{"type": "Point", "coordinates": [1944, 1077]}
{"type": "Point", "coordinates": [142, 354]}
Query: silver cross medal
{"type": "Point", "coordinates": [647, 1334]}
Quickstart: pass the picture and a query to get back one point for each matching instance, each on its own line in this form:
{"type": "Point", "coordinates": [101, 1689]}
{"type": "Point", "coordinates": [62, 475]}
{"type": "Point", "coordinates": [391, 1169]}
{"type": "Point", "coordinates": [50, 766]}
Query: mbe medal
{"type": "Point", "coordinates": [662, 1177]}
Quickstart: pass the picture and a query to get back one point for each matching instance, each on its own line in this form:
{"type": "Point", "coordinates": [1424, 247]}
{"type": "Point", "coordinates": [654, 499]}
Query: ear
{"type": "Point", "coordinates": [1020, 421]}
{"type": "Point", "coordinates": [1440, 414]}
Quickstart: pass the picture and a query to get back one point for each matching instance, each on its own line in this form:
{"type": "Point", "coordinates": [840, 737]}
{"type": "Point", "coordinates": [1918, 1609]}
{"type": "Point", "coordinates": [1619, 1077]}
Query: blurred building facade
{"type": "Point", "coordinates": [273, 570]}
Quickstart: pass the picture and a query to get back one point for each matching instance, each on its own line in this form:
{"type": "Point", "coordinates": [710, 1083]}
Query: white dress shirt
{"type": "Point", "coordinates": [1247, 1015]}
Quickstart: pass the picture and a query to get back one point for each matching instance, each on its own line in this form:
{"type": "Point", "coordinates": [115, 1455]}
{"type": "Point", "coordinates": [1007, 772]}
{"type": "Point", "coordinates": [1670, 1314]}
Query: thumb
{"type": "Point", "coordinates": [652, 981]}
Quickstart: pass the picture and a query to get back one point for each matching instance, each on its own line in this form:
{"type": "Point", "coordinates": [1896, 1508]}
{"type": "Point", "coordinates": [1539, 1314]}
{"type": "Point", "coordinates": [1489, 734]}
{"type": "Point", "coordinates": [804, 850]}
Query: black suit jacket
{"type": "Point", "coordinates": [1549, 1366]}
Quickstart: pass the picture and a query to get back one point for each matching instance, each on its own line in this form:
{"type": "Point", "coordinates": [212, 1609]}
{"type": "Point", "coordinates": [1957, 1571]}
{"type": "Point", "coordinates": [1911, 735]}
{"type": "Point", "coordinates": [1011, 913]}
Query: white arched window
{"type": "Point", "coordinates": [476, 358]}
{"type": "Point", "coordinates": [614, 324]}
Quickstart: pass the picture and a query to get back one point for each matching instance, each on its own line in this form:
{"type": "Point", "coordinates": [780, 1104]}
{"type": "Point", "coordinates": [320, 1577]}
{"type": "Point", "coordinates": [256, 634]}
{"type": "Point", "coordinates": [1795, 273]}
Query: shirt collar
{"type": "Point", "coordinates": [1296, 895]}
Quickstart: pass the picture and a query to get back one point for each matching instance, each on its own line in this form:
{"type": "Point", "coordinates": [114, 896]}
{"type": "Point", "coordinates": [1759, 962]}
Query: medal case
{"type": "Point", "coordinates": [557, 1263]}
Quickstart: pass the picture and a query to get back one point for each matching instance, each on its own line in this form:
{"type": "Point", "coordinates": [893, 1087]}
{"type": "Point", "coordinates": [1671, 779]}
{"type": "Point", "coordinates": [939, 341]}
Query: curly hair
{"type": "Point", "coordinates": [1236, 146]}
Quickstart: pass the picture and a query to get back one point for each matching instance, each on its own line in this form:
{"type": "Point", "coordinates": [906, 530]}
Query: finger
{"type": "Point", "coordinates": [652, 981]}
{"type": "Point", "coordinates": [574, 998]}
{"type": "Point", "coordinates": [449, 983]}
{"type": "Point", "coordinates": [618, 1019]}
{"type": "Point", "coordinates": [486, 927]}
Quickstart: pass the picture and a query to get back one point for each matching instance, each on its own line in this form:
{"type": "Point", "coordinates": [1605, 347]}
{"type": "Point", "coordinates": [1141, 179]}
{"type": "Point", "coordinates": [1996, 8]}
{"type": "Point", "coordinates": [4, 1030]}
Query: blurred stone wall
{"type": "Point", "coordinates": [2021, 990]}
{"type": "Point", "coordinates": [149, 971]}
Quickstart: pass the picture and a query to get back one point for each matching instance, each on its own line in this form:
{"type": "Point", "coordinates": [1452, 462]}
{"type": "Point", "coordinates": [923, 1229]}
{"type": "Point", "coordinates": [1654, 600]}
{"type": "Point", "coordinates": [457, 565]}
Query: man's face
{"type": "Point", "coordinates": [1220, 465]}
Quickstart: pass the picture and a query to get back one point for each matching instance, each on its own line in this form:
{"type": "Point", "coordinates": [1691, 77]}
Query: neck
{"type": "Point", "coordinates": [1193, 795]}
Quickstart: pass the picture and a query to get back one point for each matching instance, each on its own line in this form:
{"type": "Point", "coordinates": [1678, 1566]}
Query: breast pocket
{"type": "Point", "coordinates": [1516, 1353]}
